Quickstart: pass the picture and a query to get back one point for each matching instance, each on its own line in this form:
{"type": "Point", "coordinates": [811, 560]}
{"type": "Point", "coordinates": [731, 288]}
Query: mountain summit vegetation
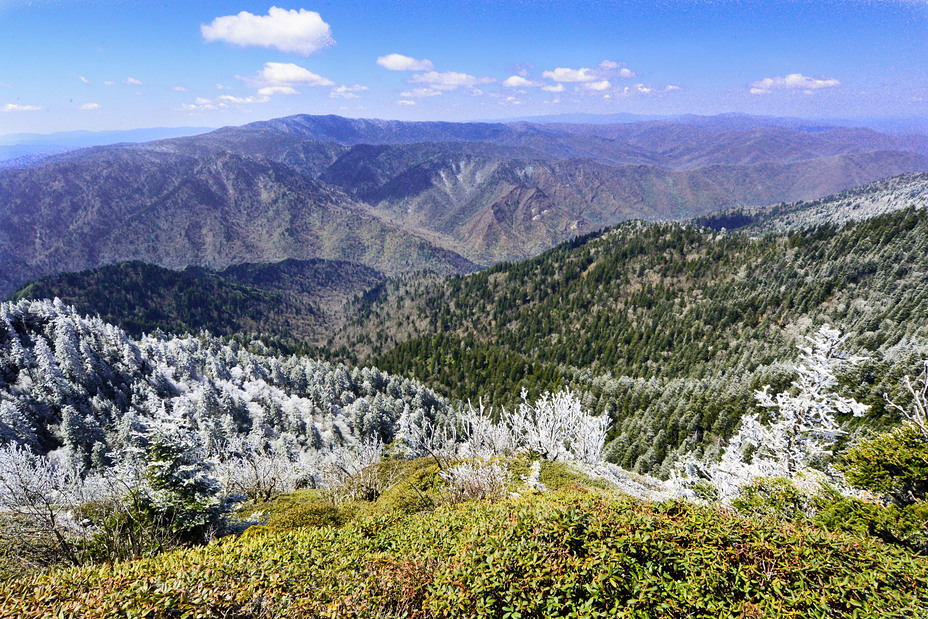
{"type": "Point", "coordinates": [297, 392]}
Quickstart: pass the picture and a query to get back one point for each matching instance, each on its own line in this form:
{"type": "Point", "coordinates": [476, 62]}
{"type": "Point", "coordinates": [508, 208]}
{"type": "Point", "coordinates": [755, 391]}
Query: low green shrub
{"type": "Point", "coordinates": [558, 554]}
{"type": "Point", "coordinates": [894, 464]}
{"type": "Point", "coordinates": [776, 497]}
{"type": "Point", "coordinates": [310, 515]}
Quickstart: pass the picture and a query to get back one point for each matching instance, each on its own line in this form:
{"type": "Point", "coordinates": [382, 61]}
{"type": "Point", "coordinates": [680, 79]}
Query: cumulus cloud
{"type": "Point", "coordinates": [200, 103]}
{"type": "Point", "coordinates": [618, 68]}
{"type": "Point", "coordinates": [405, 102]}
{"type": "Point", "coordinates": [563, 74]}
{"type": "Point", "coordinates": [223, 102]}
{"type": "Point", "coordinates": [600, 85]}
{"type": "Point", "coordinates": [449, 80]}
{"type": "Point", "coordinates": [793, 81]}
{"type": "Point", "coordinates": [399, 62]}
{"type": "Point", "coordinates": [554, 88]}
{"type": "Point", "coordinates": [284, 75]}
{"type": "Point", "coordinates": [297, 32]}
{"type": "Point", "coordinates": [268, 91]}
{"type": "Point", "coordinates": [347, 92]}
{"type": "Point", "coordinates": [15, 107]}
{"type": "Point", "coordinates": [131, 81]}
{"type": "Point", "coordinates": [518, 81]}
{"type": "Point", "coordinates": [90, 106]}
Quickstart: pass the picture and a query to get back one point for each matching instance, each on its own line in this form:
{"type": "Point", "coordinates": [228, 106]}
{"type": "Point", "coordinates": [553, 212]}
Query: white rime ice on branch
{"type": "Point", "coordinates": [555, 427]}
{"type": "Point", "coordinates": [802, 424]}
{"type": "Point", "coordinates": [476, 479]}
{"type": "Point", "coordinates": [918, 415]}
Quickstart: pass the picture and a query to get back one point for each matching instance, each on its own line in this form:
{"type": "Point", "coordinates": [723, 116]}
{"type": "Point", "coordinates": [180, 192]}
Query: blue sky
{"type": "Point", "coordinates": [117, 64]}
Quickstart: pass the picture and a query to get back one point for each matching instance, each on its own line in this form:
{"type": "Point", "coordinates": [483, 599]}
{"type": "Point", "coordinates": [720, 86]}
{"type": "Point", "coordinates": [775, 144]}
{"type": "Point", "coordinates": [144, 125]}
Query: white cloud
{"type": "Point", "coordinates": [671, 88]}
{"type": "Point", "coordinates": [4, 85]}
{"type": "Point", "coordinates": [242, 100]}
{"type": "Point", "coordinates": [200, 104]}
{"type": "Point", "coordinates": [405, 102]}
{"type": "Point", "coordinates": [562, 74]}
{"type": "Point", "coordinates": [347, 92]}
{"type": "Point", "coordinates": [90, 106]}
{"type": "Point", "coordinates": [131, 81]}
{"type": "Point", "coordinates": [178, 89]}
{"type": "Point", "coordinates": [223, 102]}
{"type": "Point", "coordinates": [284, 74]}
{"type": "Point", "coordinates": [601, 85]}
{"type": "Point", "coordinates": [555, 88]}
{"type": "Point", "coordinates": [449, 80]}
{"type": "Point", "coordinates": [109, 83]}
{"type": "Point", "coordinates": [517, 81]}
{"type": "Point", "coordinates": [83, 79]}
{"type": "Point", "coordinates": [399, 62]}
{"type": "Point", "coordinates": [618, 68]}
{"type": "Point", "coordinates": [299, 32]}
{"type": "Point", "coordinates": [421, 92]}
{"type": "Point", "coordinates": [222, 87]}
{"type": "Point", "coordinates": [793, 81]}
{"type": "Point", "coordinates": [15, 107]}
{"type": "Point", "coordinates": [267, 91]}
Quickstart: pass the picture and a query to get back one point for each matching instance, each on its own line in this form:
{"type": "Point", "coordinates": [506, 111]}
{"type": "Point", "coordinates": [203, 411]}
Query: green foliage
{"type": "Point", "coordinates": [563, 475]}
{"type": "Point", "coordinates": [775, 497]}
{"type": "Point", "coordinates": [553, 555]}
{"type": "Point", "coordinates": [315, 514]}
{"type": "Point", "coordinates": [415, 486]}
{"type": "Point", "coordinates": [893, 464]}
{"type": "Point", "coordinates": [904, 526]}
{"type": "Point", "coordinates": [184, 497]}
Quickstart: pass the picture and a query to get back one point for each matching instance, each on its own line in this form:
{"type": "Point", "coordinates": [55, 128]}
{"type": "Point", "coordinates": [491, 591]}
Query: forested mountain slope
{"type": "Point", "coordinates": [81, 385]}
{"type": "Point", "coordinates": [398, 197]}
{"type": "Point", "coordinates": [667, 326]}
{"type": "Point", "coordinates": [857, 204]}
{"type": "Point", "coordinates": [121, 204]}
{"type": "Point", "coordinates": [294, 301]}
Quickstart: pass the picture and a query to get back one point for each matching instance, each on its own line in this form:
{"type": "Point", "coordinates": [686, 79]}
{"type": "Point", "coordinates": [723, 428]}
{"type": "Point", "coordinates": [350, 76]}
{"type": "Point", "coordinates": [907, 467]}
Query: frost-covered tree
{"type": "Point", "coordinates": [802, 422]}
{"type": "Point", "coordinates": [42, 492]}
{"type": "Point", "coordinates": [556, 427]}
{"type": "Point", "coordinates": [916, 415]}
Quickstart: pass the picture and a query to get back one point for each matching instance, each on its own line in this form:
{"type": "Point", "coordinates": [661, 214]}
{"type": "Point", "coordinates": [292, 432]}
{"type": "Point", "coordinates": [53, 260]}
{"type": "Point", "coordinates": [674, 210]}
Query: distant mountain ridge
{"type": "Point", "coordinates": [22, 149]}
{"type": "Point", "coordinates": [399, 196]}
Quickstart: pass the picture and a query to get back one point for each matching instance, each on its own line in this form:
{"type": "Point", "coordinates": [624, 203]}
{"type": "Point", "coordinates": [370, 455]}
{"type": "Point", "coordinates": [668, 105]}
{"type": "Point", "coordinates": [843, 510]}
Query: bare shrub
{"type": "Point", "coordinates": [475, 479]}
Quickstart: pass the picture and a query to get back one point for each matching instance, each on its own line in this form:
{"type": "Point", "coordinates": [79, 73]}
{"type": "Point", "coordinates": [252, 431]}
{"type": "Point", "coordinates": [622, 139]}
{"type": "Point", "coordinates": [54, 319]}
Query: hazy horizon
{"type": "Point", "coordinates": [112, 65]}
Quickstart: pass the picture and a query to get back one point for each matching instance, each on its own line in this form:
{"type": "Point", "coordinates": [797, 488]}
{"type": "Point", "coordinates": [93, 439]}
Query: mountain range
{"type": "Point", "coordinates": [401, 196]}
